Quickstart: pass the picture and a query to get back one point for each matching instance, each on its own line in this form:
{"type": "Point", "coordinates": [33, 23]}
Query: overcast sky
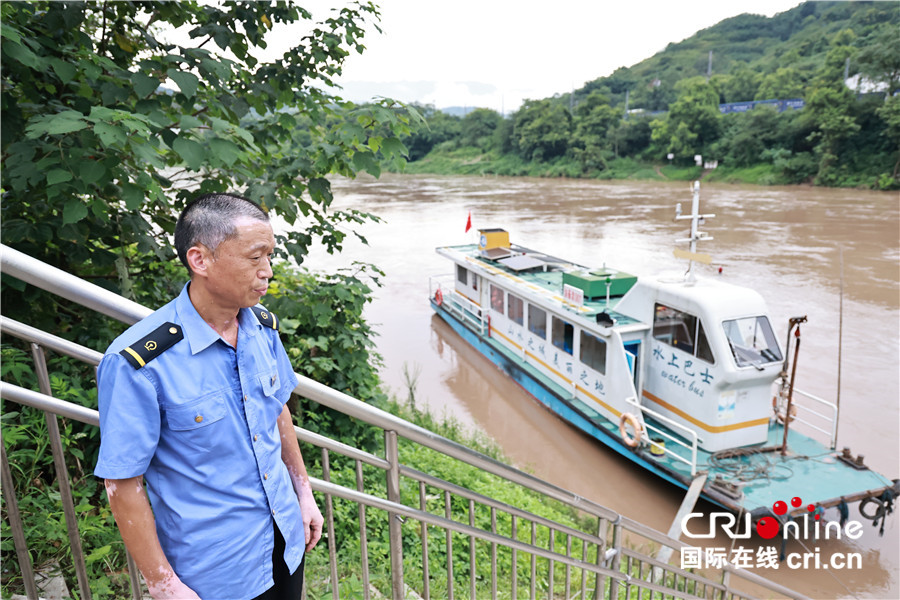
{"type": "Point", "coordinates": [496, 53]}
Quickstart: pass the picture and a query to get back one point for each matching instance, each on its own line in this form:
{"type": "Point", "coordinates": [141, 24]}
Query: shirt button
{"type": "Point", "coordinates": [266, 476]}
{"type": "Point", "coordinates": [245, 397]}
{"type": "Point", "coordinates": [256, 437]}
{"type": "Point", "coordinates": [198, 418]}
{"type": "Point", "coordinates": [274, 377]}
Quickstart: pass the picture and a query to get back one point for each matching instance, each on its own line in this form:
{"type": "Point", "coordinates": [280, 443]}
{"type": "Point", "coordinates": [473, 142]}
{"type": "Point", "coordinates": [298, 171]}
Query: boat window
{"type": "Point", "coordinates": [563, 334]}
{"type": "Point", "coordinates": [681, 330]}
{"type": "Point", "coordinates": [703, 349]}
{"type": "Point", "coordinates": [497, 299]}
{"type": "Point", "coordinates": [752, 341]}
{"type": "Point", "coordinates": [515, 309]}
{"type": "Point", "coordinates": [537, 321]}
{"type": "Point", "coordinates": [593, 352]}
{"type": "Point", "coordinates": [462, 275]}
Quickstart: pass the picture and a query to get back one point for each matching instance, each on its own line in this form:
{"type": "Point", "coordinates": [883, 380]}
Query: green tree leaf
{"type": "Point", "coordinates": [144, 84]}
{"type": "Point", "coordinates": [225, 150]}
{"type": "Point", "coordinates": [110, 135]}
{"type": "Point", "coordinates": [74, 211]}
{"type": "Point", "coordinates": [190, 151]}
{"type": "Point", "coordinates": [91, 171]}
{"type": "Point", "coordinates": [64, 70]}
{"type": "Point", "coordinates": [56, 176]}
{"type": "Point", "coordinates": [186, 82]}
{"type": "Point", "coordinates": [133, 196]}
{"type": "Point", "coordinates": [21, 53]}
{"type": "Point", "coordinates": [56, 124]}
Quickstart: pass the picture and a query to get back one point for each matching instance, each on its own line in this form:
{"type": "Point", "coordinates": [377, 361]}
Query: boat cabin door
{"type": "Point", "coordinates": [633, 354]}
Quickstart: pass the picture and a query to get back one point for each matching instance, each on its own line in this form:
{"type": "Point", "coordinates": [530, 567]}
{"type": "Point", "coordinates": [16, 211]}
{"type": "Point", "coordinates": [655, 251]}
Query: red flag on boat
{"type": "Point", "coordinates": [469, 222]}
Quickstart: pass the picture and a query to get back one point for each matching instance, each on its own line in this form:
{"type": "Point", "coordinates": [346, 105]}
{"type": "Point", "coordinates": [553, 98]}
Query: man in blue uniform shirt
{"type": "Point", "coordinates": [192, 401]}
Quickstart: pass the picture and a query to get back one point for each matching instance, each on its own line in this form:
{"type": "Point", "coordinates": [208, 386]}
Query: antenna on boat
{"type": "Point", "coordinates": [696, 235]}
{"type": "Point", "coordinates": [837, 412]}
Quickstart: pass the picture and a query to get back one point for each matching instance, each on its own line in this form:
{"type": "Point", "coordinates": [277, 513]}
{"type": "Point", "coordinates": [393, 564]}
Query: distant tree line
{"type": "Point", "coordinates": [840, 137]}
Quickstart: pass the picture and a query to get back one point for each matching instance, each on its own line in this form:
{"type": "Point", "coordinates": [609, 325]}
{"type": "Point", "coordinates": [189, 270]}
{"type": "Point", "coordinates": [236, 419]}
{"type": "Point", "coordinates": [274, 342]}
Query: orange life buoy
{"type": "Point", "coordinates": [439, 297]}
{"type": "Point", "coordinates": [632, 441]}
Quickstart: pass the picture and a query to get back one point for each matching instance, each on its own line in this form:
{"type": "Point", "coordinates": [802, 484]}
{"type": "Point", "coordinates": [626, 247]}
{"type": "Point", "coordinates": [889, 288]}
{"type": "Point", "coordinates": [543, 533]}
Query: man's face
{"type": "Point", "coordinates": [239, 271]}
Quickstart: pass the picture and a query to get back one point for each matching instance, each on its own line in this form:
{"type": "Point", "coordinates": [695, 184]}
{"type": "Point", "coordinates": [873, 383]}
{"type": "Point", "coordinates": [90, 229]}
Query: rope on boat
{"type": "Point", "coordinates": [734, 464]}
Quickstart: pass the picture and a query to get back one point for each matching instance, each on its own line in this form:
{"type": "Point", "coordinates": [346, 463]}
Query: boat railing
{"type": "Point", "coordinates": [688, 433]}
{"type": "Point", "coordinates": [805, 413]}
{"type": "Point", "coordinates": [602, 548]}
{"type": "Point", "coordinates": [457, 303]}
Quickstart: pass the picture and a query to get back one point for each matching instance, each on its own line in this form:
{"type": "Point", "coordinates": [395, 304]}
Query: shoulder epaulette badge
{"type": "Point", "coordinates": [149, 347]}
{"type": "Point", "coordinates": [265, 317]}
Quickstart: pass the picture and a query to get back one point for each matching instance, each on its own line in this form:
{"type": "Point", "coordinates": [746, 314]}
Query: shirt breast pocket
{"type": "Point", "coordinates": [194, 424]}
{"type": "Point", "coordinates": [270, 384]}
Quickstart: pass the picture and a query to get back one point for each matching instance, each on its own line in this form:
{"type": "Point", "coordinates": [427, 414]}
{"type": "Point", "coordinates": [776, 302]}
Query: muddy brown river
{"type": "Point", "coordinates": [806, 250]}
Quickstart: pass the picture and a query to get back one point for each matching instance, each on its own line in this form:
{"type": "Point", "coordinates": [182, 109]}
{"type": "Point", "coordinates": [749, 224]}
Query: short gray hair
{"type": "Point", "coordinates": [210, 220]}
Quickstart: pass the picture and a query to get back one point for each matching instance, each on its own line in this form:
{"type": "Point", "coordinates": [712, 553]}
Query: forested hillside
{"type": "Point", "coordinates": [664, 111]}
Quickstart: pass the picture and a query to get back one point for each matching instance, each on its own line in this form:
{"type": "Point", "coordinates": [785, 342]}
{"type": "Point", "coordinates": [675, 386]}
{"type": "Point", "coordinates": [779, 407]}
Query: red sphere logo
{"type": "Point", "coordinates": [768, 527]}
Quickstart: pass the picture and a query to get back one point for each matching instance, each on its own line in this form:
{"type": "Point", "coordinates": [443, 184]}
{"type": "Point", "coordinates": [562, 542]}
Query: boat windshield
{"type": "Point", "coordinates": [752, 342]}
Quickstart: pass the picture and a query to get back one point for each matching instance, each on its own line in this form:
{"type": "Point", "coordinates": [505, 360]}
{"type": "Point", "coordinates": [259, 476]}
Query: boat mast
{"type": "Point", "coordinates": [696, 235]}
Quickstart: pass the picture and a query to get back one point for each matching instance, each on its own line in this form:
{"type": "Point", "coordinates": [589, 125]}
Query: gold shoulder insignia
{"type": "Point", "coordinates": [265, 317]}
{"type": "Point", "coordinates": [150, 346]}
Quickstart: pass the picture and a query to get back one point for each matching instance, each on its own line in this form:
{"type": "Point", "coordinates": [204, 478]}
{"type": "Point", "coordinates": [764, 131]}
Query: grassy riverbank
{"type": "Point", "coordinates": [473, 161]}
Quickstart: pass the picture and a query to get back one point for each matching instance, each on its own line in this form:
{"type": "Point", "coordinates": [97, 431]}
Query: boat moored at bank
{"type": "Point", "coordinates": [682, 374]}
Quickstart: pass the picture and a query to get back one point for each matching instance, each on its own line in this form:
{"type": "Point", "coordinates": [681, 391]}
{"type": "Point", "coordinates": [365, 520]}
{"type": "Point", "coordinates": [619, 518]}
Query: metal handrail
{"type": "Point", "coordinates": [828, 418]}
{"type": "Point", "coordinates": [690, 433]}
{"type": "Point", "coordinates": [19, 265]}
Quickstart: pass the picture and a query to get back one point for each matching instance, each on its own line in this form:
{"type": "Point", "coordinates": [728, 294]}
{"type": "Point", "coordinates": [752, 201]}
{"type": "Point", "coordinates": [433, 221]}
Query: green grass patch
{"type": "Point", "coordinates": [681, 173]}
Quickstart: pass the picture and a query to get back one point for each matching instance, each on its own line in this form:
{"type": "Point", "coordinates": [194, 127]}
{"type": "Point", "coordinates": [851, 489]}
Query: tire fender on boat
{"type": "Point", "coordinates": [879, 508]}
{"type": "Point", "coordinates": [439, 297]}
{"type": "Point", "coordinates": [632, 441]}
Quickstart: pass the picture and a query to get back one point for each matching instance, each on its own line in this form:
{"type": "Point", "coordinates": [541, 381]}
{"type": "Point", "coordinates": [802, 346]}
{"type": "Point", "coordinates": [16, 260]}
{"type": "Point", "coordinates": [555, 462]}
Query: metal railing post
{"type": "Point", "coordinates": [363, 534]}
{"type": "Point", "coordinates": [533, 590]}
{"type": "Point", "coordinates": [493, 555]}
{"type": "Point", "coordinates": [448, 514]}
{"type": "Point", "coordinates": [134, 577]}
{"type": "Point", "coordinates": [616, 558]}
{"type": "Point", "coordinates": [602, 530]}
{"type": "Point", "coordinates": [552, 565]}
{"type": "Point", "coordinates": [426, 575]}
{"type": "Point", "coordinates": [395, 529]}
{"type": "Point", "coordinates": [62, 475]}
{"type": "Point", "coordinates": [329, 521]}
{"type": "Point", "coordinates": [15, 524]}
{"type": "Point", "coordinates": [514, 534]}
{"type": "Point", "coordinates": [472, 590]}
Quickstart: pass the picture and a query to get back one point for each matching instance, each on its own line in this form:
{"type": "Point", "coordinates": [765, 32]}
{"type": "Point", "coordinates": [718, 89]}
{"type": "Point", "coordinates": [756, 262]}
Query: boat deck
{"type": "Point", "coordinates": [546, 281]}
{"type": "Point", "coordinates": [809, 470]}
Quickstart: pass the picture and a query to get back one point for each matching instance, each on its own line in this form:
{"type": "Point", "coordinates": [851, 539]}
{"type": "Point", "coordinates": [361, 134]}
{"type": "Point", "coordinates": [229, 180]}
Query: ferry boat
{"type": "Point", "coordinates": [683, 375]}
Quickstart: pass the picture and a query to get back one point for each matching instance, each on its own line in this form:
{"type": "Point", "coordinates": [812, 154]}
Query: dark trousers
{"type": "Point", "coordinates": [287, 586]}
